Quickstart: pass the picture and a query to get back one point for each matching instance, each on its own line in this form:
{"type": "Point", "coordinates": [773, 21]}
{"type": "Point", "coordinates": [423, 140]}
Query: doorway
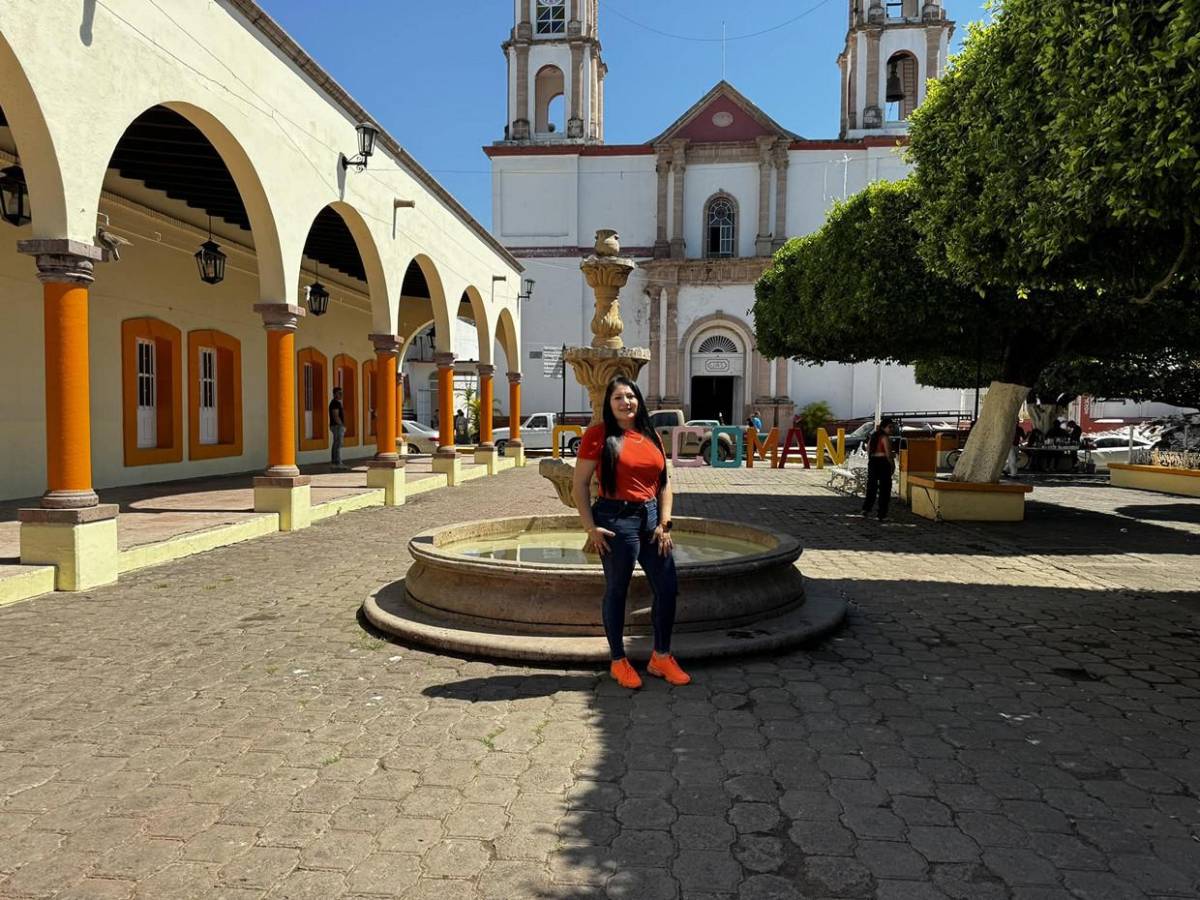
{"type": "Point", "coordinates": [712, 398]}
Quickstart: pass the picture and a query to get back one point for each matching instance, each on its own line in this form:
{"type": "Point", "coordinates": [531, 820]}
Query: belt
{"type": "Point", "coordinates": [624, 508]}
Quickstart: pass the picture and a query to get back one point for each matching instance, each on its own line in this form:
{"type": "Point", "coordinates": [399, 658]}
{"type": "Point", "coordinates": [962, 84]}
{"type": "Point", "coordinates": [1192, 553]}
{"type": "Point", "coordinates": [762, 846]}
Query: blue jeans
{"type": "Point", "coordinates": [633, 527]}
{"type": "Point", "coordinates": [339, 433]}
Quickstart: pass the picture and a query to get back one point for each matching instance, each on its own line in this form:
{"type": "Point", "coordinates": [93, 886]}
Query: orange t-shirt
{"type": "Point", "coordinates": [638, 467]}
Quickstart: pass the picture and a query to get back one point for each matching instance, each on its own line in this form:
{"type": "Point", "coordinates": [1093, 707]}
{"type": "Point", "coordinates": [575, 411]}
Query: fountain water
{"type": "Point", "coordinates": [523, 588]}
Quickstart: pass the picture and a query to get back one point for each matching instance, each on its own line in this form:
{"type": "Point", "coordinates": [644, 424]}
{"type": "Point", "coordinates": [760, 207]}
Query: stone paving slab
{"type": "Point", "coordinates": [998, 719]}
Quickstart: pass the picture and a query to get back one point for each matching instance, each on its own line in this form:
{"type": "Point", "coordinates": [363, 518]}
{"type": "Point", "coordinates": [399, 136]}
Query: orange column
{"type": "Point", "coordinates": [399, 403]}
{"type": "Point", "coordinates": [65, 269]}
{"type": "Point", "coordinates": [281, 320]}
{"type": "Point", "coordinates": [486, 401]}
{"type": "Point", "coordinates": [514, 408]}
{"type": "Point", "coordinates": [68, 393]}
{"type": "Point", "coordinates": [445, 372]}
{"type": "Point", "coordinates": [387, 356]}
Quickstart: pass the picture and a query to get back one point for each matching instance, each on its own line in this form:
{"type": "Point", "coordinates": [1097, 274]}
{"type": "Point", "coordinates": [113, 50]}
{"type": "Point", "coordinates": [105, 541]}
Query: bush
{"type": "Point", "coordinates": [814, 416]}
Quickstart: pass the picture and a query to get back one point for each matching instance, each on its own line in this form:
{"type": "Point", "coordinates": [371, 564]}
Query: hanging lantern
{"type": "Point", "coordinates": [318, 296]}
{"type": "Point", "coordinates": [14, 196]}
{"type": "Point", "coordinates": [210, 260]}
{"type": "Point", "coordinates": [895, 90]}
{"type": "Point", "coordinates": [527, 289]}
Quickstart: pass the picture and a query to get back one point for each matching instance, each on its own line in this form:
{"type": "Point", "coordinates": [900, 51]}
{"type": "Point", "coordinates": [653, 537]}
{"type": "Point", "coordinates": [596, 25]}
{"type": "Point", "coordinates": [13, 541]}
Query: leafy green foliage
{"type": "Point", "coordinates": [815, 415]}
{"type": "Point", "coordinates": [1060, 151]}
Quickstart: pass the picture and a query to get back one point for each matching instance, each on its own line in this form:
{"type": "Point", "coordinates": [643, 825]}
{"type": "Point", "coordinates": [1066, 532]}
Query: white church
{"type": "Point", "coordinates": [701, 207]}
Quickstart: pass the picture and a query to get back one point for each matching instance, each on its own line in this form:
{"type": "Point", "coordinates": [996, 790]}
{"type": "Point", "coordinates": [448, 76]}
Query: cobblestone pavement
{"type": "Point", "coordinates": [1010, 712]}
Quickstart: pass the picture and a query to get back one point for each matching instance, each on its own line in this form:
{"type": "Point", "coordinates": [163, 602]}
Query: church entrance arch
{"type": "Point", "coordinates": [717, 367]}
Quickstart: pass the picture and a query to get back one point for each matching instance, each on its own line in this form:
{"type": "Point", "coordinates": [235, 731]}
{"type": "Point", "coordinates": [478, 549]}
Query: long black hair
{"type": "Point", "coordinates": [614, 433]}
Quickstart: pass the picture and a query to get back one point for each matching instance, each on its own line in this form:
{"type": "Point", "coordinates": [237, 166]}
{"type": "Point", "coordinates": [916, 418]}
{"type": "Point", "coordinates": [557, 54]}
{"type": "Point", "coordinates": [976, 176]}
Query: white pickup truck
{"type": "Point", "coordinates": [537, 429]}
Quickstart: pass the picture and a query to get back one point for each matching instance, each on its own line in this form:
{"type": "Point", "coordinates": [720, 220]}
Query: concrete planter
{"type": "Point", "coordinates": [959, 501]}
{"type": "Point", "coordinates": [1161, 479]}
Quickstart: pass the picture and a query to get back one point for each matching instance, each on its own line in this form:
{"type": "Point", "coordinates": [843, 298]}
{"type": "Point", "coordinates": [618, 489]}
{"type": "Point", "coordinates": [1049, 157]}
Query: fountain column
{"type": "Point", "coordinates": [606, 272]}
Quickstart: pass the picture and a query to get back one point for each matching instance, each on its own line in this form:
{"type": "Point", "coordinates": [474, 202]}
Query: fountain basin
{"type": "Point", "coordinates": [522, 588]}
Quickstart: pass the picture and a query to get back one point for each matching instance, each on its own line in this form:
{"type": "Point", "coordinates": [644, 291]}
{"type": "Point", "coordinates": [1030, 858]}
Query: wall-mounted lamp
{"type": "Point", "coordinates": [367, 133]}
{"type": "Point", "coordinates": [526, 290]}
{"type": "Point", "coordinates": [210, 260]}
{"type": "Point", "coordinates": [403, 204]}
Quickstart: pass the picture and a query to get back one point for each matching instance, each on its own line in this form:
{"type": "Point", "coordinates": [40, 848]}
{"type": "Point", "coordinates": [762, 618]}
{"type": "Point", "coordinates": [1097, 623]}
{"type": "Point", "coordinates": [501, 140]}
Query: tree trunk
{"type": "Point", "coordinates": [987, 447]}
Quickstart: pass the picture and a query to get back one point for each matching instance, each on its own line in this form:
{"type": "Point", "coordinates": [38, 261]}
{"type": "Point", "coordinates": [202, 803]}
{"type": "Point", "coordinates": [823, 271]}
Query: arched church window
{"type": "Point", "coordinates": [721, 222]}
{"type": "Point", "coordinates": [551, 17]}
{"type": "Point", "coordinates": [718, 343]}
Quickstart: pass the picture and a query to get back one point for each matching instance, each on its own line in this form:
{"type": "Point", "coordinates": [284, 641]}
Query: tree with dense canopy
{"type": "Point", "coordinates": [1054, 212]}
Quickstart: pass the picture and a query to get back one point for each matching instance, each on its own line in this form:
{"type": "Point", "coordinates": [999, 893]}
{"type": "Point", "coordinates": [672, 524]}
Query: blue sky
{"type": "Point", "coordinates": [432, 73]}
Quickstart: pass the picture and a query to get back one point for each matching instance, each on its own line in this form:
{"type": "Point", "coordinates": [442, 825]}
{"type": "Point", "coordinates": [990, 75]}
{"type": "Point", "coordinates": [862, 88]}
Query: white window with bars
{"type": "Point", "coordinates": [147, 394]}
{"type": "Point", "coordinates": [551, 17]}
{"type": "Point", "coordinates": [309, 399]}
{"type": "Point", "coordinates": [209, 427]}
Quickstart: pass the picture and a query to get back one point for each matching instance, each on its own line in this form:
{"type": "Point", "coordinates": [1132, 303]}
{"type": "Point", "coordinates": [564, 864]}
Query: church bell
{"type": "Point", "coordinates": [895, 90]}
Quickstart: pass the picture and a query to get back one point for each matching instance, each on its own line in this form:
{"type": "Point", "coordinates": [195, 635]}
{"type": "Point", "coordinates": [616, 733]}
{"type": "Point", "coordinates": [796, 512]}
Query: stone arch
{"type": "Point", "coordinates": [509, 340]}
{"type": "Point", "coordinates": [273, 284]}
{"type": "Point", "coordinates": [442, 314]}
{"type": "Point", "coordinates": [707, 228]}
{"type": "Point", "coordinates": [696, 332]}
{"type": "Point", "coordinates": [548, 85]}
{"type": "Point", "coordinates": [35, 148]}
{"type": "Point", "coordinates": [483, 326]}
{"type": "Point", "coordinates": [368, 253]}
{"type": "Point", "coordinates": [908, 71]}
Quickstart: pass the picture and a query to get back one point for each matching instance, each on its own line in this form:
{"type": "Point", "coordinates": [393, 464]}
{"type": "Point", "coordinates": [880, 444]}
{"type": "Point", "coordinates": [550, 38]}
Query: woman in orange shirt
{"type": "Point", "coordinates": [630, 522]}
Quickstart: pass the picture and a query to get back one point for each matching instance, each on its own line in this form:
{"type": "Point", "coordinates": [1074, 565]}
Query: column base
{"type": "Point", "coordinates": [81, 544]}
{"type": "Point", "coordinates": [762, 245]}
{"type": "Point", "coordinates": [290, 498]}
{"type": "Point", "coordinates": [450, 466]}
{"type": "Point", "coordinates": [69, 499]}
{"type": "Point", "coordinates": [388, 474]}
{"type": "Point", "coordinates": [486, 455]}
{"type": "Point", "coordinates": [515, 450]}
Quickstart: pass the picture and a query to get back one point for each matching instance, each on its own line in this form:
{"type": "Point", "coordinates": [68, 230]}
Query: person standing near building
{"type": "Point", "coordinates": [337, 428]}
{"type": "Point", "coordinates": [630, 523]}
{"type": "Point", "coordinates": [879, 468]}
{"type": "Point", "coordinates": [756, 421]}
{"type": "Point", "coordinates": [460, 427]}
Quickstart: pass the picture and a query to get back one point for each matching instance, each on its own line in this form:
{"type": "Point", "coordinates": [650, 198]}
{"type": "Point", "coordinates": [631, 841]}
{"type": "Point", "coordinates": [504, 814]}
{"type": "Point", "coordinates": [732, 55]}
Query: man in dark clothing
{"type": "Point", "coordinates": [337, 427]}
{"type": "Point", "coordinates": [879, 468]}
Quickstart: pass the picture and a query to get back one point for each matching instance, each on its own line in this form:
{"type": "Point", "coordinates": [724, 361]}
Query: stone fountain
{"type": "Point", "coordinates": [606, 272]}
{"type": "Point", "coordinates": [525, 588]}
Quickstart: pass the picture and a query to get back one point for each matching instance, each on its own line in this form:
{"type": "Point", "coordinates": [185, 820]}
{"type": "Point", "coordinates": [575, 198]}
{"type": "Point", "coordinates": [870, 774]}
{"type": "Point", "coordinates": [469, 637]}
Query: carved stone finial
{"type": "Point", "coordinates": [608, 242]}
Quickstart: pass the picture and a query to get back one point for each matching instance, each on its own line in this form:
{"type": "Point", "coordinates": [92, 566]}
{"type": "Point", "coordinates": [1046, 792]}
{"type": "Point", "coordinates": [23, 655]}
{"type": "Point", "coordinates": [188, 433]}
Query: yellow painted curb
{"type": "Point", "coordinates": [428, 483]}
{"type": "Point", "coordinates": [339, 505]}
{"type": "Point", "coordinates": [198, 542]}
{"type": "Point", "coordinates": [23, 582]}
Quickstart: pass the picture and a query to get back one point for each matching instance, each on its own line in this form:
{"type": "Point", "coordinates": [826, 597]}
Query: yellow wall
{"type": "Point", "coordinates": [160, 280]}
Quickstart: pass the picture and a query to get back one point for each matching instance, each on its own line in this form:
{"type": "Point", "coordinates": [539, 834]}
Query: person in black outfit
{"type": "Point", "coordinates": [879, 468]}
{"type": "Point", "coordinates": [337, 428]}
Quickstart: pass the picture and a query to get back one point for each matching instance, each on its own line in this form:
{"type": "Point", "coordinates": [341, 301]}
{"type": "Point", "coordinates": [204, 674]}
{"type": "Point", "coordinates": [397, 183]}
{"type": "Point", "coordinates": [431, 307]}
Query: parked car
{"type": "Point", "coordinates": [419, 438]}
{"type": "Point", "coordinates": [537, 430]}
{"type": "Point", "coordinates": [665, 421]}
{"type": "Point", "coordinates": [1113, 447]}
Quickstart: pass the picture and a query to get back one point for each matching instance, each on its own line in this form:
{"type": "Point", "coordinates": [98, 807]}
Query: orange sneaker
{"type": "Point", "coordinates": [664, 666]}
{"type": "Point", "coordinates": [624, 674]}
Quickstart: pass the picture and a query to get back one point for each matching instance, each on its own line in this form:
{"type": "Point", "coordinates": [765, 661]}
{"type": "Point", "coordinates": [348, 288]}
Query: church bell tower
{"type": "Point", "coordinates": [555, 73]}
{"type": "Point", "coordinates": [893, 47]}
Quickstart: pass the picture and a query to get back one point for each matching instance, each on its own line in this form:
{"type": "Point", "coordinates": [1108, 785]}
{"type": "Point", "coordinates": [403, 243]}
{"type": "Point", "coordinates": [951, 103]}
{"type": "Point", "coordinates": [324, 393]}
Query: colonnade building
{"type": "Point", "coordinates": [701, 207]}
{"type": "Point", "coordinates": [204, 235]}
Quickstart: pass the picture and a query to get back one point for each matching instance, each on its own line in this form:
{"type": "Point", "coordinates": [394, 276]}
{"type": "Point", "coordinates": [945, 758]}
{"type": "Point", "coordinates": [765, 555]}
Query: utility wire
{"type": "Point", "coordinates": [715, 40]}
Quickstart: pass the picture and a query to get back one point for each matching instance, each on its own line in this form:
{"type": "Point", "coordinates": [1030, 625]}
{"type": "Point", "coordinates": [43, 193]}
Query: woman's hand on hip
{"type": "Point", "coordinates": [597, 540]}
{"type": "Point", "coordinates": [663, 540]}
